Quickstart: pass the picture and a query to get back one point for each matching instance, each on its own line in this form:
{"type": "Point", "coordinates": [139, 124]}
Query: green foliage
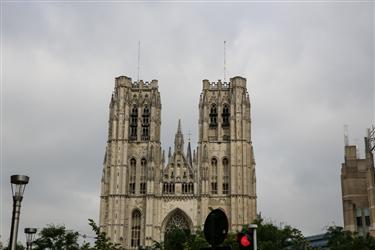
{"type": "Point", "coordinates": [176, 238]}
{"type": "Point", "coordinates": [102, 242]}
{"type": "Point", "coordinates": [338, 239]}
{"type": "Point", "coordinates": [157, 245]}
{"type": "Point", "coordinates": [55, 238]}
{"type": "Point", "coordinates": [58, 237]}
{"type": "Point", "coordinates": [196, 241]}
{"type": "Point", "coordinates": [19, 246]}
{"type": "Point", "coordinates": [231, 240]}
{"type": "Point", "coordinates": [271, 237]}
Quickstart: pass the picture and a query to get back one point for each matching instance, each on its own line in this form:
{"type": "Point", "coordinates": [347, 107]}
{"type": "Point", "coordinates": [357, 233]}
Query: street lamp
{"type": "Point", "coordinates": [30, 234]}
{"type": "Point", "coordinates": [18, 187]}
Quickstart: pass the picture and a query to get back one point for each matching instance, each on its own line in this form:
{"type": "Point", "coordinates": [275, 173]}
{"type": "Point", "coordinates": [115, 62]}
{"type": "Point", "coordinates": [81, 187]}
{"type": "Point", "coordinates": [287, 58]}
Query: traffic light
{"type": "Point", "coordinates": [245, 240]}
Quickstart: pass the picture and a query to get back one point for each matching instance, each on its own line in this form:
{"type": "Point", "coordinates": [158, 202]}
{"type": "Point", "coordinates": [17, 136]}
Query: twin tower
{"type": "Point", "coordinates": [145, 193]}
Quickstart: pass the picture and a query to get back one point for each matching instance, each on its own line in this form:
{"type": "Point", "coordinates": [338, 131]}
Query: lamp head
{"type": "Point", "coordinates": [18, 183]}
{"type": "Point", "coordinates": [30, 234]}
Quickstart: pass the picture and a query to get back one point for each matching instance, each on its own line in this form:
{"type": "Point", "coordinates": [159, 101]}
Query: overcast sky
{"type": "Point", "coordinates": [309, 70]}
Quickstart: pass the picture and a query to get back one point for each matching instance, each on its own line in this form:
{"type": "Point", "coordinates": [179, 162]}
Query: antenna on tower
{"type": "Point", "coordinates": [346, 137]}
{"type": "Point", "coordinates": [139, 58]}
{"type": "Point", "coordinates": [189, 135]}
{"type": "Point", "coordinates": [225, 69]}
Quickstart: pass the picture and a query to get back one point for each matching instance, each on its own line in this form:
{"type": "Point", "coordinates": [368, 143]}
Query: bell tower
{"type": "Point", "coordinates": [225, 152]}
{"type": "Point", "coordinates": [132, 161]}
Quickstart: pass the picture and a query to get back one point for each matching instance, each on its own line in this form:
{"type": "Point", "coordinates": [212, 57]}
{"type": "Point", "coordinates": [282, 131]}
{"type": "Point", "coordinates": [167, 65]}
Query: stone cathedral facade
{"type": "Point", "coordinates": [144, 192]}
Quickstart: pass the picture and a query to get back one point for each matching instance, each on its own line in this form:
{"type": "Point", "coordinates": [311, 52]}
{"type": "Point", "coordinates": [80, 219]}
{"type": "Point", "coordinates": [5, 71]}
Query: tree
{"type": "Point", "coordinates": [19, 246]}
{"type": "Point", "coordinates": [57, 237]}
{"type": "Point", "coordinates": [271, 237]}
{"type": "Point", "coordinates": [339, 239]}
{"type": "Point", "coordinates": [102, 242]}
{"type": "Point", "coordinates": [196, 241]}
{"type": "Point", "coordinates": [175, 238]}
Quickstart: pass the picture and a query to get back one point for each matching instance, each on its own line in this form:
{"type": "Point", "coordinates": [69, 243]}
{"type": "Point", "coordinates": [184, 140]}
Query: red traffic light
{"type": "Point", "coordinates": [245, 241]}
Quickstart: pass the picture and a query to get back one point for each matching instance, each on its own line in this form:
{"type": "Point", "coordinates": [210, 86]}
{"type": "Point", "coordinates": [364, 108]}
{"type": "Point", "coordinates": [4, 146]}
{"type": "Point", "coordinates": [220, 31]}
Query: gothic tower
{"type": "Point", "coordinates": [144, 194]}
{"type": "Point", "coordinates": [225, 152]}
{"type": "Point", "coordinates": [132, 161]}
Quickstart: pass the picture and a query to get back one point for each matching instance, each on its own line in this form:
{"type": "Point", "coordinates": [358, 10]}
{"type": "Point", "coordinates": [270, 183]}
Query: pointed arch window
{"type": "Point", "coordinates": [133, 171]}
{"type": "Point", "coordinates": [191, 188]}
{"type": "Point", "coordinates": [213, 176]}
{"type": "Point", "coordinates": [133, 123]}
{"type": "Point", "coordinates": [225, 115]}
{"type": "Point", "coordinates": [213, 115]}
{"type": "Point", "coordinates": [146, 124]}
{"type": "Point", "coordinates": [168, 188]}
{"type": "Point", "coordinates": [142, 186]}
{"type": "Point", "coordinates": [136, 228]}
{"type": "Point", "coordinates": [225, 176]}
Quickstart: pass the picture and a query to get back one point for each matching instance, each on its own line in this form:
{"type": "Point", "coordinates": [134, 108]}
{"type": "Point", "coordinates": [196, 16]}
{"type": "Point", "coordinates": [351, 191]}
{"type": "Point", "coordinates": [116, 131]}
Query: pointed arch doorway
{"type": "Point", "coordinates": [176, 219]}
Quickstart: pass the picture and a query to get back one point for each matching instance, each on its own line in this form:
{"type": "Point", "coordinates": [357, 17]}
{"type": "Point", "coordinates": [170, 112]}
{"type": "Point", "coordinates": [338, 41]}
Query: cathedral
{"type": "Point", "coordinates": [145, 192]}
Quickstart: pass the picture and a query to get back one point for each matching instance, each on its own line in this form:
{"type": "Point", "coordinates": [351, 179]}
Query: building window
{"type": "Point", "coordinates": [225, 176]}
{"type": "Point", "coordinates": [225, 115]}
{"type": "Point", "coordinates": [359, 217]}
{"type": "Point", "coordinates": [133, 171]}
{"type": "Point", "coordinates": [213, 176]}
{"type": "Point", "coordinates": [142, 186]}
{"type": "Point", "coordinates": [213, 116]}
{"type": "Point", "coordinates": [367, 217]}
{"type": "Point", "coordinates": [168, 188]}
{"type": "Point", "coordinates": [191, 188]}
{"type": "Point", "coordinates": [136, 228]}
{"type": "Point", "coordinates": [146, 124]}
{"type": "Point", "coordinates": [187, 188]}
{"type": "Point", "coordinates": [133, 123]}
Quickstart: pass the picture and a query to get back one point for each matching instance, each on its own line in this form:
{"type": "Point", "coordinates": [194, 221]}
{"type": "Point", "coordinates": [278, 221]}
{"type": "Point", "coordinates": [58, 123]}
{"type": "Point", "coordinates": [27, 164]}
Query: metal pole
{"type": "Point", "coordinates": [253, 228]}
{"type": "Point", "coordinates": [255, 239]}
{"type": "Point", "coordinates": [15, 222]}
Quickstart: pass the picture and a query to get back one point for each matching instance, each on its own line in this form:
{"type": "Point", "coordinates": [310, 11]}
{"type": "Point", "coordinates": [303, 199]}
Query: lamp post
{"type": "Point", "coordinates": [30, 234]}
{"type": "Point", "coordinates": [18, 183]}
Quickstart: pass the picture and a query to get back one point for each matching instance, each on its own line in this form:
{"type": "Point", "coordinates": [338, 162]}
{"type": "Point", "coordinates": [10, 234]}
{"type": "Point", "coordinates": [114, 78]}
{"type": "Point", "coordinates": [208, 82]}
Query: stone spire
{"type": "Point", "coordinates": [169, 155]}
{"type": "Point", "coordinates": [179, 139]}
{"type": "Point", "coordinates": [188, 155]}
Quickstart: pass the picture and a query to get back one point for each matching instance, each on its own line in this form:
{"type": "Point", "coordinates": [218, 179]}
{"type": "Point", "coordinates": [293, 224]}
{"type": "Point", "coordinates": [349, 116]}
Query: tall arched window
{"type": "Point", "coordinates": [142, 186]}
{"type": "Point", "coordinates": [133, 123]}
{"type": "Point", "coordinates": [225, 176]}
{"type": "Point", "coordinates": [213, 176]}
{"type": "Point", "coordinates": [213, 115]}
{"type": "Point", "coordinates": [165, 187]}
{"type": "Point", "coordinates": [136, 228]}
{"type": "Point", "coordinates": [146, 124]}
{"type": "Point", "coordinates": [225, 115]}
{"type": "Point", "coordinates": [191, 188]}
{"type": "Point", "coordinates": [133, 171]}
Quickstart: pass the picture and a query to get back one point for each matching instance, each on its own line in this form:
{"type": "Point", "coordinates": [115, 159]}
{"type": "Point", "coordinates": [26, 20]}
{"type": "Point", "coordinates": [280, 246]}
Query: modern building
{"type": "Point", "coordinates": [358, 188]}
{"type": "Point", "coordinates": [319, 241]}
{"type": "Point", "coordinates": [145, 192]}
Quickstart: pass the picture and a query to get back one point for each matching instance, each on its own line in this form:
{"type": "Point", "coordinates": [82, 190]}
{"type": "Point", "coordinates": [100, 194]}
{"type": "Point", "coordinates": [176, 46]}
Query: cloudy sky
{"type": "Point", "coordinates": [309, 69]}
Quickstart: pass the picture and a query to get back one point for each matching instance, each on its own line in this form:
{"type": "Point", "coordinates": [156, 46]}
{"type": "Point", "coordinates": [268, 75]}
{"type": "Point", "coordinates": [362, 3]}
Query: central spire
{"type": "Point", "coordinates": [179, 139]}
